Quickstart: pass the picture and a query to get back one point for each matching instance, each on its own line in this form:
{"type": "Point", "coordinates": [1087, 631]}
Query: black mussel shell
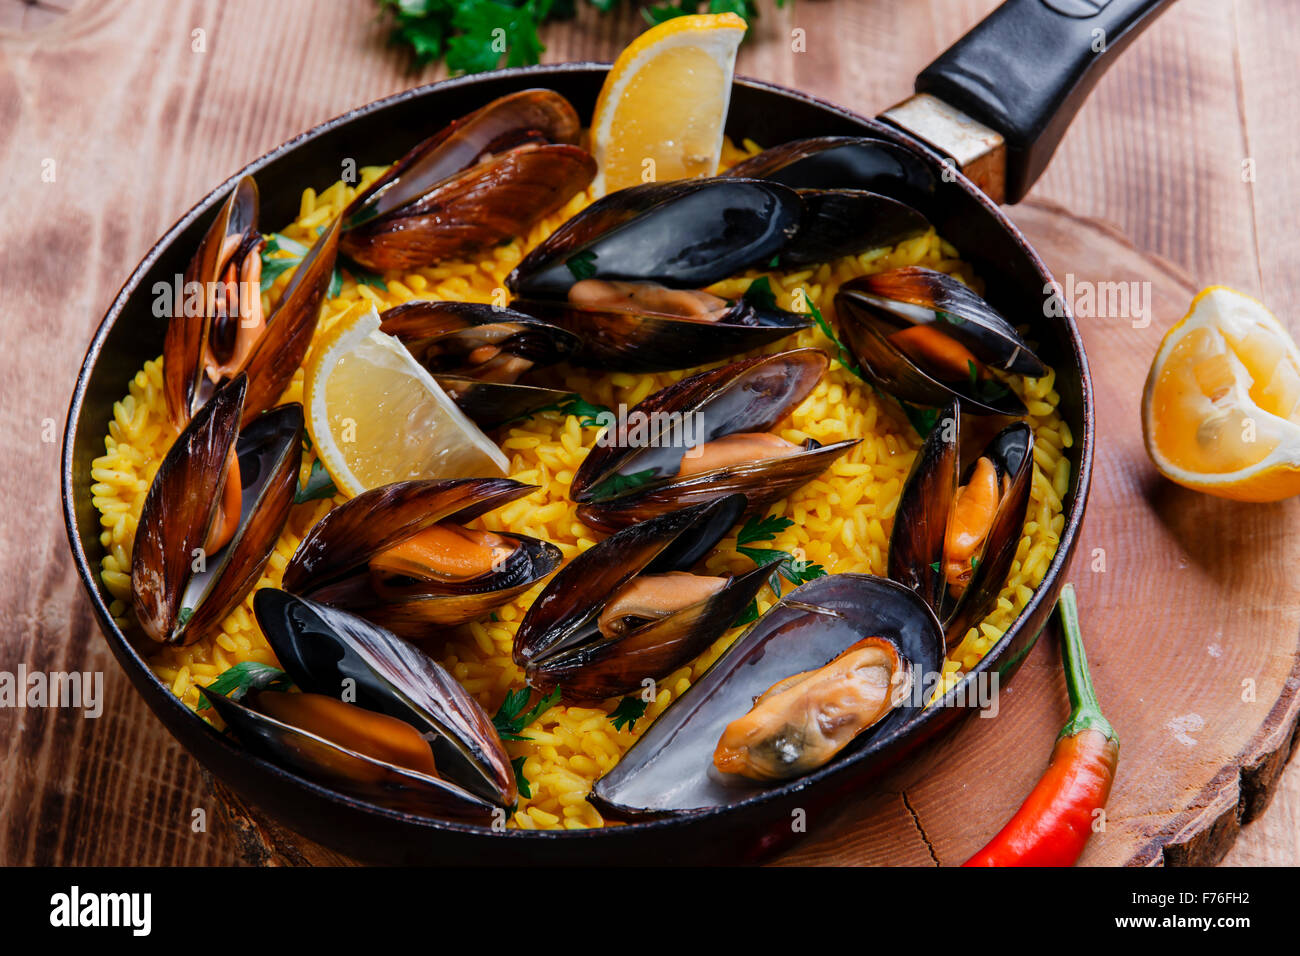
{"type": "Point", "coordinates": [346, 770]}
{"type": "Point", "coordinates": [183, 373]}
{"type": "Point", "coordinates": [848, 222]}
{"type": "Point", "coordinates": [495, 404]}
{"type": "Point", "coordinates": [921, 518]}
{"type": "Point", "coordinates": [474, 210]}
{"type": "Point", "coordinates": [1012, 453]}
{"type": "Point", "coordinates": [442, 335]}
{"type": "Point", "coordinates": [845, 162]}
{"type": "Point", "coordinates": [686, 234]}
{"type": "Point", "coordinates": [646, 342]}
{"type": "Point", "coordinates": [331, 563]}
{"type": "Point", "coordinates": [501, 124]}
{"type": "Point", "coordinates": [916, 543]}
{"type": "Point", "coordinates": [178, 598]}
{"type": "Point", "coordinates": [914, 295]}
{"type": "Point", "coordinates": [328, 651]}
{"type": "Point", "coordinates": [670, 767]}
{"type": "Point", "coordinates": [623, 480]}
{"type": "Point", "coordinates": [559, 642]}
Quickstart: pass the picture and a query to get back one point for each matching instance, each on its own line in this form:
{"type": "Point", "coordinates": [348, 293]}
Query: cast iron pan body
{"type": "Point", "coordinates": [375, 134]}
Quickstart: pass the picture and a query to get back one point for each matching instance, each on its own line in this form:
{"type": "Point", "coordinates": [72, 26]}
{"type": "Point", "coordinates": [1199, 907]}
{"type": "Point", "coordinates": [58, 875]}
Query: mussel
{"type": "Point", "coordinates": [377, 718]}
{"type": "Point", "coordinates": [705, 437]}
{"type": "Point", "coordinates": [628, 273]}
{"type": "Point", "coordinates": [925, 338]}
{"type": "Point", "coordinates": [483, 180]}
{"type": "Point", "coordinates": [400, 555]}
{"type": "Point", "coordinates": [802, 721]}
{"type": "Point", "coordinates": [218, 329]}
{"type": "Point", "coordinates": [671, 766]}
{"type": "Point", "coordinates": [858, 194]}
{"type": "Point", "coordinates": [212, 516]}
{"type": "Point", "coordinates": [629, 609]}
{"type": "Point", "coordinates": [845, 162]}
{"type": "Point", "coordinates": [478, 353]}
{"type": "Point", "coordinates": [956, 530]}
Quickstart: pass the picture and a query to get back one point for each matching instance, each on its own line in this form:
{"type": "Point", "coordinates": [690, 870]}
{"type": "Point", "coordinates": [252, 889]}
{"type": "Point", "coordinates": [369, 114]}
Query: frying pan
{"type": "Point", "coordinates": [988, 113]}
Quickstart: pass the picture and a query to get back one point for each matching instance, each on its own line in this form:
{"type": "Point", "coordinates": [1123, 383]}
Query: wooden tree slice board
{"type": "Point", "coordinates": [1191, 619]}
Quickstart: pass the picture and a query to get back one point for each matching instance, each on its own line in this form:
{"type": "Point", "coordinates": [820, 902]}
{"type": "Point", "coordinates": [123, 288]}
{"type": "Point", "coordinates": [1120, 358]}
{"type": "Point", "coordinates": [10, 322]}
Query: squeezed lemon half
{"type": "Point", "coordinates": [1221, 407]}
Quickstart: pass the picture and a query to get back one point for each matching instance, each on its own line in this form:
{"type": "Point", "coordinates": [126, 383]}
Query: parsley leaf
{"type": "Point", "coordinates": [366, 277]}
{"type": "Point", "coordinates": [667, 11]}
{"type": "Point", "coordinates": [243, 677]}
{"type": "Point", "coordinates": [785, 565]}
{"type": "Point", "coordinates": [628, 712]}
{"type": "Point", "coordinates": [510, 719]}
{"type": "Point", "coordinates": [586, 411]}
{"type": "Point", "coordinates": [747, 616]}
{"type": "Point", "coordinates": [762, 529]}
{"type": "Point", "coordinates": [618, 483]}
{"type": "Point", "coordinates": [274, 264]}
{"type": "Point", "coordinates": [488, 29]}
{"type": "Point", "coordinates": [319, 484]}
{"type": "Point", "coordinates": [922, 419]}
{"type": "Point", "coordinates": [759, 294]}
{"type": "Point", "coordinates": [582, 265]}
{"type": "Point", "coordinates": [184, 616]}
{"type": "Point", "coordinates": [521, 782]}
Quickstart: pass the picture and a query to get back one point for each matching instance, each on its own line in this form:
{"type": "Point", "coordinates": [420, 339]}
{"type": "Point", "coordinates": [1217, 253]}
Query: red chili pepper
{"type": "Point", "coordinates": [1054, 823]}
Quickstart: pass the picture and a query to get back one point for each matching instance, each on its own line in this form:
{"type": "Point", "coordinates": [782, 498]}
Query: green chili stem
{"type": "Point", "coordinates": [1085, 712]}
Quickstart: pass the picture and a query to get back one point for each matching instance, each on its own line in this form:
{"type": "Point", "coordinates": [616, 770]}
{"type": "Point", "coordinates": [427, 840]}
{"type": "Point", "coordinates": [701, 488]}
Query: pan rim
{"type": "Point", "coordinates": [164, 700]}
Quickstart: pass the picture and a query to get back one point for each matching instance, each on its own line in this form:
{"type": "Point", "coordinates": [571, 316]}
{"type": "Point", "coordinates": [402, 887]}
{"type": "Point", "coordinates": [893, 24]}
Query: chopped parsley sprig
{"type": "Point", "coordinates": [794, 569]}
{"type": "Point", "coordinates": [476, 35]}
{"type": "Point", "coordinates": [628, 712]}
{"type": "Point", "coordinates": [511, 718]}
{"type": "Point", "coordinates": [243, 677]}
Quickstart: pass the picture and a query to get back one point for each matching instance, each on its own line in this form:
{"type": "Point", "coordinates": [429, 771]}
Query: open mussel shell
{"type": "Point", "coordinates": [926, 296]}
{"type": "Point", "coordinates": [633, 472]}
{"type": "Point", "coordinates": [559, 641]}
{"type": "Point", "coordinates": [916, 543]}
{"type": "Point", "coordinates": [670, 767]}
{"type": "Point", "coordinates": [280, 352]}
{"type": "Point", "coordinates": [184, 386]}
{"type": "Point", "coordinates": [460, 144]}
{"type": "Point", "coordinates": [356, 774]}
{"type": "Point", "coordinates": [282, 345]}
{"type": "Point", "coordinates": [179, 592]}
{"type": "Point", "coordinates": [874, 310]}
{"type": "Point", "coordinates": [451, 337]}
{"type": "Point", "coordinates": [331, 563]}
{"type": "Point", "coordinates": [476, 352]}
{"type": "Point", "coordinates": [328, 651]}
{"type": "Point", "coordinates": [848, 222]}
{"type": "Point", "coordinates": [641, 342]}
{"type": "Point", "coordinates": [494, 404]}
{"type": "Point", "coordinates": [685, 234]}
{"type": "Point", "coordinates": [844, 162]}
{"type": "Point", "coordinates": [1012, 454]}
{"type": "Point", "coordinates": [482, 180]}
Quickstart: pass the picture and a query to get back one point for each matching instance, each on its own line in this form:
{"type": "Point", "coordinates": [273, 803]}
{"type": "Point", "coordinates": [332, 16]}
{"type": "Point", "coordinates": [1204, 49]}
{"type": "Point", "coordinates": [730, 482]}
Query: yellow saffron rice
{"type": "Point", "coordinates": [841, 520]}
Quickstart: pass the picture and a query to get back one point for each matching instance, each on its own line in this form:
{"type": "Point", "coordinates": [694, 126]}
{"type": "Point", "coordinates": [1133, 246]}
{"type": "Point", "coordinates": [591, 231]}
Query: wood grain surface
{"type": "Point", "coordinates": [111, 102]}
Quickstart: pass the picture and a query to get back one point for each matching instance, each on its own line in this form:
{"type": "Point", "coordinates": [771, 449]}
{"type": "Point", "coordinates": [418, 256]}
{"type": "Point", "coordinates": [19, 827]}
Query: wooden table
{"type": "Point", "coordinates": [111, 126]}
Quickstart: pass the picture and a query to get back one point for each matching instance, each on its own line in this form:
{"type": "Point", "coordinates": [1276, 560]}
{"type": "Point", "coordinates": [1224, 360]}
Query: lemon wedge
{"type": "Point", "coordinates": [376, 416]}
{"type": "Point", "coordinates": [662, 109]}
{"type": "Point", "coordinates": [1221, 408]}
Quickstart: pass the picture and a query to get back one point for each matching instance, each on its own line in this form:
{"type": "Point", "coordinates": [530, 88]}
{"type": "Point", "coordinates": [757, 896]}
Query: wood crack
{"type": "Point", "coordinates": [916, 822]}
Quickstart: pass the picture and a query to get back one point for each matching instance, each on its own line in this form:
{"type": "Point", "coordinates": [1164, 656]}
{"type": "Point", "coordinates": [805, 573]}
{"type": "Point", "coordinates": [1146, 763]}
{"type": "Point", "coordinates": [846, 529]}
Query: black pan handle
{"type": "Point", "coordinates": [1026, 68]}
